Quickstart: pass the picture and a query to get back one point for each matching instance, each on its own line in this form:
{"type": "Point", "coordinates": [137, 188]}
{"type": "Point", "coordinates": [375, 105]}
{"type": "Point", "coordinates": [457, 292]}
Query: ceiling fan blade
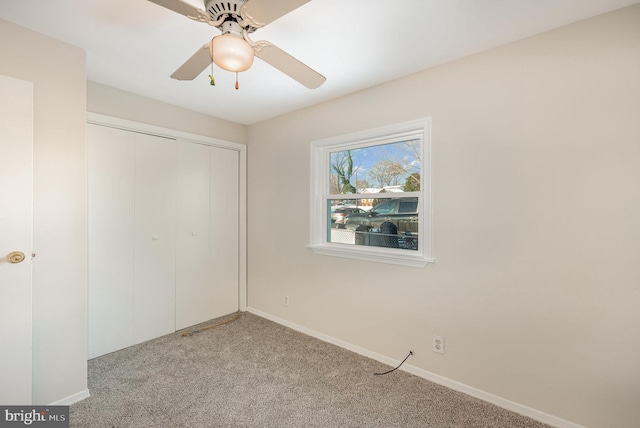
{"type": "Point", "coordinates": [183, 8]}
{"type": "Point", "coordinates": [194, 65]}
{"type": "Point", "coordinates": [290, 66]}
{"type": "Point", "coordinates": [266, 11]}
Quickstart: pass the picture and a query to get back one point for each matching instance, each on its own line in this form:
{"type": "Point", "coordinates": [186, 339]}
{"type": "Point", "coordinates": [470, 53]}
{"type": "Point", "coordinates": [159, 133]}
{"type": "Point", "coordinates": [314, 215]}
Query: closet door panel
{"type": "Point", "coordinates": [163, 236]}
{"type": "Point", "coordinates": [194, 289]}
{"type": "Point", "coordinates": [155, 244]}
{"type": "Point", "coordinates": [110, 157]}
{"type": "Point", "coordinates": [224, 229]}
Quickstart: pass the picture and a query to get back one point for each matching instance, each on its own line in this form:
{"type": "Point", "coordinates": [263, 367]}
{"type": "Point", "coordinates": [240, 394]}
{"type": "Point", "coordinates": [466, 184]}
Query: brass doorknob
{"type": "Point", "coordinates": [16, 257]}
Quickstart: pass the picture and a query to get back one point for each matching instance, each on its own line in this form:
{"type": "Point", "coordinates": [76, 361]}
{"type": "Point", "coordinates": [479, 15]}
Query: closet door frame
{"type": "Point", "coordinates": [128, 125]}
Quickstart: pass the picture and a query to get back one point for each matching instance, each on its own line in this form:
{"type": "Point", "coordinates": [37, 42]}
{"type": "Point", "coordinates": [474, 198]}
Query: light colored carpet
{"type": "Point", "coordinates": [256, 373]}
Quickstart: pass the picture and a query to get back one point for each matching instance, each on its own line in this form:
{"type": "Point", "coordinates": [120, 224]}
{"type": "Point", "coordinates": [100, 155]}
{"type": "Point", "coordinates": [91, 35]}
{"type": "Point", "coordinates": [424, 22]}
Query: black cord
{"type": "Point", "coordinates": [405, 359]}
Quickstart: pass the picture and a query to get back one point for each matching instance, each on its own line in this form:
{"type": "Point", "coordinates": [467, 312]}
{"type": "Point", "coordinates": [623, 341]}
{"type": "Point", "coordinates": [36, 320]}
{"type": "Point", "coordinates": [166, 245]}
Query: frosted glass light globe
{"type": "Point", "coordinates": [231, 52]}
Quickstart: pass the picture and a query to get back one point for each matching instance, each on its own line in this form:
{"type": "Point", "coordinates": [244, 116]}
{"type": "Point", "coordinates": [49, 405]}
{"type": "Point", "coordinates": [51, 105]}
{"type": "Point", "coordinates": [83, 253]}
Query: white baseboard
{"type": "Point", "coordinates": [432, 377]}
{"type": "Point", "coordinates": [73, 398]}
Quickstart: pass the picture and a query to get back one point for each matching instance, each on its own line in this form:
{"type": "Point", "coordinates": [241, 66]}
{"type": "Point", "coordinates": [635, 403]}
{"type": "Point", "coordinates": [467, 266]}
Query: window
{"type": "Point", "coordinates": [371, 195]}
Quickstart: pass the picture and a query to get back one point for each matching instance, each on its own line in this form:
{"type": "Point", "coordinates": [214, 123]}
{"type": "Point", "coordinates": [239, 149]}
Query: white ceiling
{"type": "Point", "coordinates": [135, 45]}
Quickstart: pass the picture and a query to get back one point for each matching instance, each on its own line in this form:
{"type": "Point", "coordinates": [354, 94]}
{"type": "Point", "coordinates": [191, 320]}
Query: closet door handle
{"type": "Point", "coordinates": [16, 257]}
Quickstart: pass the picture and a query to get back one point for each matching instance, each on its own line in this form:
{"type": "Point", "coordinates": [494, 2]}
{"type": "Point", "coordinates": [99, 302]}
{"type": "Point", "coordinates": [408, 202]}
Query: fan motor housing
{"type": "Point", "coordinates": [217, 8]}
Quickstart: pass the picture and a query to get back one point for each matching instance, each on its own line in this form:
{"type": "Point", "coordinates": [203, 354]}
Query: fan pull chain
{"type": "Point", "coordinates": [237, 86]}
{"type": "Point", "coordinates": [212, 81]}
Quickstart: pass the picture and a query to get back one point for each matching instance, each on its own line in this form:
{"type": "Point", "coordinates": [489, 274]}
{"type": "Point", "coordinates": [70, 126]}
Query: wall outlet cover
{"type": "Point", "coordinates": [438, 344]}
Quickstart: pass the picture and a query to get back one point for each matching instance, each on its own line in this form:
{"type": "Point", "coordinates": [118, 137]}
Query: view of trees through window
{"type": "Point", "coordinates": [383, 167]}
{"type": "Point", "coordinates": [375, 209]}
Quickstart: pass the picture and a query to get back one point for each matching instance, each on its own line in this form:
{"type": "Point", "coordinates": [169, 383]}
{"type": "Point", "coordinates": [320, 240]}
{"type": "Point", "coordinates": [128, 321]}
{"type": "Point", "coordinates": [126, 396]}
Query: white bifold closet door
{"type": "Point", "coordinates": [155, 238]}
{"type": "Point", "coordinates": [193, 295]}
{"type": "Point", "coordinates": [224, 225]}
{"type": "Point", "coordinates": [163, 236]}
{"type": "Point", "coordinates": [111, 201]}
{"type": "Point", "coordinates": [207, 233]}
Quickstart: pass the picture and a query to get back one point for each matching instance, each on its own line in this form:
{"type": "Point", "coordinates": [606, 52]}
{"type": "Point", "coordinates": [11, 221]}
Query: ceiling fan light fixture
{"type": "Point", "coordinates": [231, 52]}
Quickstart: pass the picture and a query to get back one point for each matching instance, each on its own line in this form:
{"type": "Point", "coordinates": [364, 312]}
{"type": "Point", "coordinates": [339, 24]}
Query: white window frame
{"type": "Point", "coordinates": [320, 150]}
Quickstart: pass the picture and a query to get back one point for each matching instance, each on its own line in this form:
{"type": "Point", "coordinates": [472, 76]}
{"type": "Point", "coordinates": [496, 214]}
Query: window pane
{"type": "Point", "coordinates": [340, 208]}
{"type": "Point", "coordinates": [391, 223]}
{"type": "Point", "coordinates": [393, 167]}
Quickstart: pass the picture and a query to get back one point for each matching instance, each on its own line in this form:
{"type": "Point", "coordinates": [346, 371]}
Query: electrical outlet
{"type": "Point", "coordinates": [438, 344]}
{"type": "Point", "coordinates": [286, 300]}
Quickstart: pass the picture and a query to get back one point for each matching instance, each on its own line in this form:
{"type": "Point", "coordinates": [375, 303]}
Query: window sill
{"type": "Point", "coordinates": [371, 255]}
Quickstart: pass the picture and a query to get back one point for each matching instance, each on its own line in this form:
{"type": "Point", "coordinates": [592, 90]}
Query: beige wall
{"type": "Point", "coordinates": [59, 231]}
{"type": "Point", "coordinates": [536, 201]}
{"type": "Point", "coordinates": [125, 105]}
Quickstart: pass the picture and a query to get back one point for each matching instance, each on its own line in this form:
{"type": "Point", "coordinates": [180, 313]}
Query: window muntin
{"type": "Point", "coordinates": [389, 204]}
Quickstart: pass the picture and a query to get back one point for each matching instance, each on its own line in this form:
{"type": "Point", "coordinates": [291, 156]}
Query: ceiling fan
{"type": "Point", "coordinates": [233, 50]}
